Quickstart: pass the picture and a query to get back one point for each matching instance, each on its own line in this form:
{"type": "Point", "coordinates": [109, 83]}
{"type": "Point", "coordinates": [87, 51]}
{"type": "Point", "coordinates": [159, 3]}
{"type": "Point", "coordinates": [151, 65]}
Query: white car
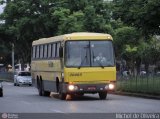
{"type": "Point", "coordinates": [22, 78]}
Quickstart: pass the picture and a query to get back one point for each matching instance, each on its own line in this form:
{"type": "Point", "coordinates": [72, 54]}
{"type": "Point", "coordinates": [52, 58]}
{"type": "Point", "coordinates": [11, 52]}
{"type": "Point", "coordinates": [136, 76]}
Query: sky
{"type": "Point", "coordinates": [1, 8]}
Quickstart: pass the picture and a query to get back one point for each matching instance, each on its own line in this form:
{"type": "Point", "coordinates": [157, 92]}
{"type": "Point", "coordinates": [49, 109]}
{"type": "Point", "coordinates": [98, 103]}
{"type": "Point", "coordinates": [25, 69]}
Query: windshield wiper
{"type": "Point", "coordinates": [100, 64]}
{"type": "Point", "coordinates": [85, 57]}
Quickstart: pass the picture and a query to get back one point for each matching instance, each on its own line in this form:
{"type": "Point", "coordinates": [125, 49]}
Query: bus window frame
{"type": "Point", "coordinates": [37, 51]}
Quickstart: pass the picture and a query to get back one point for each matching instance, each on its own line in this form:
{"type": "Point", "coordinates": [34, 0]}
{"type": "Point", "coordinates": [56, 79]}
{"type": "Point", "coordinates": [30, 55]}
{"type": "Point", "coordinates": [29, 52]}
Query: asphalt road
{"type": "Point", "coordinates": [25, 99]}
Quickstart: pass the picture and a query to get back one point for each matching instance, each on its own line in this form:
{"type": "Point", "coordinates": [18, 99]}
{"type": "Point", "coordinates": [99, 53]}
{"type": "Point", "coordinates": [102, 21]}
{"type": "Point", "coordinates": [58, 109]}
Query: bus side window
{"type": "Point", "coordinates": [53, 50]}
{"type": "Point", "coordinates": [45, 50]}
{"type": "Point", "coordinates": [57, 49]}
{"type": "Point", "coordinates": [49, 50]}
{"type": "Point", "coordinates": [41, 51]}
{"type": "Point", "coordinates": [37, 51]}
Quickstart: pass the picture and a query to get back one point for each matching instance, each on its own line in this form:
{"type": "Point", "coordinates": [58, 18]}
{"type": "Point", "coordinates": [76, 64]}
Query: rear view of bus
{"type": "Point", "coordinates": [89, 64]}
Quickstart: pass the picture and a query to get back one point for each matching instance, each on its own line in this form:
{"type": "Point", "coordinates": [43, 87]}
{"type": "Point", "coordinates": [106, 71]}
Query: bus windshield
{"type": "Point", "coordinates": [89, 54]}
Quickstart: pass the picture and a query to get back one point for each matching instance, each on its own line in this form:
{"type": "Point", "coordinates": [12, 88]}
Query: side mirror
{"type": "Point", "coordinates": [61, 52]}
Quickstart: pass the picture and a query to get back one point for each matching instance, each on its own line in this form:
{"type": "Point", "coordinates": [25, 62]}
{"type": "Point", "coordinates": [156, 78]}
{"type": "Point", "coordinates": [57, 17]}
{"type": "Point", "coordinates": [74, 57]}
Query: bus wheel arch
{"type": "Point", "coordinates": [59, 86]}
{"type": "Point", "coordinates": [37, 81]}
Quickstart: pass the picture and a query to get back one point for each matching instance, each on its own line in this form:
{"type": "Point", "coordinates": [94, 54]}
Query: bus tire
{"type": "Point", "coordinates": [57, 85]}
{"type": "Point", "coordinates": [102, 95]}
{"type": "Point", "coordinates": [46, 93]}
{"type": "Point", "coordinates": [42, 92]}
{"type": "Point", "coordinates": [62, 95]}
{"type": "Point", "coordinates": [1, 92]}
{"type": "Point", "coordinates": [39, 88]}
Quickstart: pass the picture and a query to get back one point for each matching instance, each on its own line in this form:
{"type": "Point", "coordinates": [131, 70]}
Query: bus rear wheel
{"type": "Point", "coordinates": [1, 92]}
{"type": "Point", "coordinates": [41, 90]}
{"type": "Point", "coordinates": [39, 87]}
{"type": "Point", "coordinates": [102, 95]}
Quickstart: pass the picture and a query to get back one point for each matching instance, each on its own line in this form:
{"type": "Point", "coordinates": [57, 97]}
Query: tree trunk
{"type": "Point", "coordinates": [147, 67]}
{"type": "Point", "coordinates": [138, 65]}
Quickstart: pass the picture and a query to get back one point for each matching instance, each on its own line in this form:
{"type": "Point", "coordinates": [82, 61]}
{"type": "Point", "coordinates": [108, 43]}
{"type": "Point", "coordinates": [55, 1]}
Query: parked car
{"type": "Point", "coordinates": [1, 89]}
{"type": "Point", "coordinates": [22, 78]}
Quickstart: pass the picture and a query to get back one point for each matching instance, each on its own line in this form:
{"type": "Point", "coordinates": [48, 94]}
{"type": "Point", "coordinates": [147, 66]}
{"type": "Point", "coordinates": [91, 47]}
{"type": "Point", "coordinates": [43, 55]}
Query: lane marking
{"type": "Point", "coordinates": [57, 111]}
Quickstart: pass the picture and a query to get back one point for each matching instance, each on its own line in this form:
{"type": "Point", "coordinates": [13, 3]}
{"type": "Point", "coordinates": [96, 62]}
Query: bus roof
{"type": "Point", "coordinates": [74, 36]}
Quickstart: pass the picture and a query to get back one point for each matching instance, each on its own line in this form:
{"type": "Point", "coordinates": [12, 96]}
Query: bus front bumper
{"type": "Point", "coordinates": [87, 88]}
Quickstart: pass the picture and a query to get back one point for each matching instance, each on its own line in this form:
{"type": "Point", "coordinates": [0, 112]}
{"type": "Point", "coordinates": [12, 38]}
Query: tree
{"type": "Point", "coordinates": [130, 54]}
{"type": "Point", "coordinates": [26, 21]}
{"type": "Point", "coordinates": [126, 41]}
{"type": "Point", "coordinates": [149, 53]}
{"type": "Point", "coordinates": [123, 36]}
{"type": "Point", "coordinates": [143, 14]}
{"type": "Point", "coordinates": [72, 23]}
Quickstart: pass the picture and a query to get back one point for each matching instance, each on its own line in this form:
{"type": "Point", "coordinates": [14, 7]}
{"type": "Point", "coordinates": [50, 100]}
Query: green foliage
{"type": "Point", "coordinates": [72, 23]}
{"type": "Point", "coordinates": [128, 21]}
{"type": "Point", "coordinates": [125, 36]}
{"type": "Point", "coordinates": [143, 14]}
{"type": "Point", "coordinates": [149, 52]}
{"type": "Point", "coordinates": [130, 53]}
{"type": "Point", "coordinates": [28, 20]}
{"type": "Point", "coordinates": [130, 49]}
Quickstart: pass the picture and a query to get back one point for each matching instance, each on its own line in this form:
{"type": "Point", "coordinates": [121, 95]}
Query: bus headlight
{"type": "Point", "coordinates": [72, 87]}
{"type": "Point", "coordinates": [111, 86]}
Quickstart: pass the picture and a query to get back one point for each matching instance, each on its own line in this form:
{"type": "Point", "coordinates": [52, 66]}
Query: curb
{"type": "Point", "coordinates": [137, 95]}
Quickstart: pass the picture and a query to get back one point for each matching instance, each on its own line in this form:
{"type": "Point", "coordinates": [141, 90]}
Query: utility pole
{"type": "Point", "coordinates": [13, 57]}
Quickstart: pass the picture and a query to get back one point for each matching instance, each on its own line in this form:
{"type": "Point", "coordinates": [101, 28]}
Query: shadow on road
{"type": "Point", "coordinates": [76, 97]}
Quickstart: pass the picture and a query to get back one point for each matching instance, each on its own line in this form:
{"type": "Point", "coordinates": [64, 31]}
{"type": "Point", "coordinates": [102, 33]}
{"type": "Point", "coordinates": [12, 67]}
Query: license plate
{"type": "Point", "coordinates": [91, 88]}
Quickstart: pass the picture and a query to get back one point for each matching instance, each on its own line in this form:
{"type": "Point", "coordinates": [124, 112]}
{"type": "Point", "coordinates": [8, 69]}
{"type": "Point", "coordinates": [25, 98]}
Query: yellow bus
{"type": "Point", "coordinates": [69, 64]}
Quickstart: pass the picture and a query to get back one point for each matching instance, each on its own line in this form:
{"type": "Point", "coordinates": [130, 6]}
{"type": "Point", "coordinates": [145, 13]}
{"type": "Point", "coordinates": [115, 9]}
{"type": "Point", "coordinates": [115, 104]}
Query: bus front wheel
{"type": "Point", "coordinates": [62, 95]}
{"type": "Point", "coordinates": [102, 95]}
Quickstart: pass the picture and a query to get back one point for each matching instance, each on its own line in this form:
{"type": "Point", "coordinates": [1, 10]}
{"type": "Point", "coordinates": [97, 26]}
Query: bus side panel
{"type": "Point", "coordinates": [47, 71]}
{"type": "Point", "coordinates": [49, 85]}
